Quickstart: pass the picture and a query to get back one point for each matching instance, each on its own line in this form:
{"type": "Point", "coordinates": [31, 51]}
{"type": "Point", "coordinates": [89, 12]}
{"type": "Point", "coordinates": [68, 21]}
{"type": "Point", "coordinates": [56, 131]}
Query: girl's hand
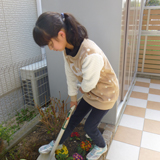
{"type": "Point", "coordinates": [73, 103]}
{"type": "Point", "coordinates": [81, 90]}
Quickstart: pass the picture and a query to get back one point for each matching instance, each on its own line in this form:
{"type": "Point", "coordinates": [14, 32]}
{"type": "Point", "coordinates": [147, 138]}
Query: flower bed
{"type": "Point", "coordinates": [28, 148]}
{"type": "Point", "coordinates": [52, 118]}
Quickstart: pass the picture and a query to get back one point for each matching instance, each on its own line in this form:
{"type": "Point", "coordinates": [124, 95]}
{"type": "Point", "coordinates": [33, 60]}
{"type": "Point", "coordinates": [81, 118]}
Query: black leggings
{"type": "Point", "coordinates": [91, 123]}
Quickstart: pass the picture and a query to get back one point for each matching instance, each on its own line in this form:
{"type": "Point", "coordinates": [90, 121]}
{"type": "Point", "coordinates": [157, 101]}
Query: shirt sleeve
{"type": "Point", "coordinates": [71, 80]}
{"type": "Point", "coordinates": [91, 68]}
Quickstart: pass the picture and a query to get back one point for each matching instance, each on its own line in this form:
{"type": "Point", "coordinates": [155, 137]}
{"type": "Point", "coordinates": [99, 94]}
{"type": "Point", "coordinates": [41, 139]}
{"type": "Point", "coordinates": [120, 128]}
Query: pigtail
{"type": "Point", "coordinates": [74, 30]}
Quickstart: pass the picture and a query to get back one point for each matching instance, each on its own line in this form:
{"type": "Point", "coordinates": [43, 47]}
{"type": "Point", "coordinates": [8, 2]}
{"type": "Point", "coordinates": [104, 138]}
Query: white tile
{"type": "Point", "coordinates": [141, 89]}
{"type": "Point", "coordinates": [152, 114]}
{"type": "Point", "coordinates": [153, 97]}
{"type": "Point", "coordinates": [143, 80]}
{"type": "Point", "coordinates": [132, 122]}
{"type": "Point", "coordinates": [151, 141]}
{"type": "Point", "coordinates": [137, 102]}
{"type": "Point", "coordinates": [155, 86]}
{"type": "Point", "coordinates": [122, 151]}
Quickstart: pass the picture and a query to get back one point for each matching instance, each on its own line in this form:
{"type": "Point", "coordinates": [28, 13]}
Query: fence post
{"type": "Point", "coordinates": [144, 53]}
{"type": "Point", "coordinates": [149, 10]}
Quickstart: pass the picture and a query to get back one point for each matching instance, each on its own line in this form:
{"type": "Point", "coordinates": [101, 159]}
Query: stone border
{"type": "Point", "coordinates": [21, 134]}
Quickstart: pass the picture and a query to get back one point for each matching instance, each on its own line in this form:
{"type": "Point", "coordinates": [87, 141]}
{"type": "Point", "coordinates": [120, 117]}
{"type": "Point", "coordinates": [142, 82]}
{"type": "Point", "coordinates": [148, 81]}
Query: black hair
{"type": "Point", "coordinates": [50, 23]}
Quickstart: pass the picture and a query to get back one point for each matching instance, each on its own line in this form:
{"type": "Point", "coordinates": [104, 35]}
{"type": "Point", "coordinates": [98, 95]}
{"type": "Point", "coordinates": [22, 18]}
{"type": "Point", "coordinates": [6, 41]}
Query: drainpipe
{"type": "Point", "coordinates": [139, 34]}
{"type": "Point", "coordinates": [39, 12]}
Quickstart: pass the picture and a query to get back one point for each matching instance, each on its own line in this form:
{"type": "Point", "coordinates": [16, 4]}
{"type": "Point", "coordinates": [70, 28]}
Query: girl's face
{"type": "Point", "coordinates": [60, 43]}
{"type": "Point", "coordinates": [56, 45]}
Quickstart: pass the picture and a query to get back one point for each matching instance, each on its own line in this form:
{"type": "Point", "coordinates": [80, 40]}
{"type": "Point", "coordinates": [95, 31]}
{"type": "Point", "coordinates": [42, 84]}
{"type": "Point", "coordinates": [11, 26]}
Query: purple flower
{"type": "Point", "coordinates": [77, 156]}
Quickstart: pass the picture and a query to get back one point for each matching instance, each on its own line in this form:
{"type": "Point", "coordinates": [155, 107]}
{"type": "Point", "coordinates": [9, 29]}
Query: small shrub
{"type": "Point", "coordinates": [54, 115]}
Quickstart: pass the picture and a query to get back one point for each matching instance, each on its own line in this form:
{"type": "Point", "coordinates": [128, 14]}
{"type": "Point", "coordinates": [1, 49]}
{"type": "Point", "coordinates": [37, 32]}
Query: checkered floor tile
{"type": "Point", "coordinates": [138, 134]}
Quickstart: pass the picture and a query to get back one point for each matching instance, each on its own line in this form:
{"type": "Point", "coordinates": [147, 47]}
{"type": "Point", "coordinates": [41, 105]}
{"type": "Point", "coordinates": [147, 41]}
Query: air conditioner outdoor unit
{"type": "Point", "coordinates": [35, 84]}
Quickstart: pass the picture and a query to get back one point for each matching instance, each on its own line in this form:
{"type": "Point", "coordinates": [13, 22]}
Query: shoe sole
{"type": "Point", "coordinates": [103, 156]}
{"type": "Point", "coordinates": [44, 152]}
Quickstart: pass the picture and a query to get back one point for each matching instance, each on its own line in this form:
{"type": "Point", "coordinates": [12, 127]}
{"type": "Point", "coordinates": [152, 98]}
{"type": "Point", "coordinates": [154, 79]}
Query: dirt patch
{"type": "Point", "coordinates": [28, 147]}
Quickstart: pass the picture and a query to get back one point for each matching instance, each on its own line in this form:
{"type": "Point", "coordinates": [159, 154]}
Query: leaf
{"type": "Point", "coordinates": [70, 158]}
{"type": "Point", "coordinates": [89, 139]}
{"type": "Point", "coordinates": [79, 150]}
{"type": "Point", "coordinates": [77, 138]}
{"type": "Point", "coordinates": [83, 153]}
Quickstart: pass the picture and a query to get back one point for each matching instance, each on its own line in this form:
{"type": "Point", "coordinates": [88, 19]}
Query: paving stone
{"type": "Point", "coordinates": [103, 157]}
{"type": "Point", "coordinates": [102, 125]}
{"type": "Point", "coordinates": [107, 135]}
{"type": "Point", "coordinates": [110, 127]}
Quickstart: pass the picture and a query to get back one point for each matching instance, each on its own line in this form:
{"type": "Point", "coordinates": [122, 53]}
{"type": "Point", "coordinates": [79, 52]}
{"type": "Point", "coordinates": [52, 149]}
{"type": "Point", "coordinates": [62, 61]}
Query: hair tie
{"type": "Point", "coordinates": [63, 18]}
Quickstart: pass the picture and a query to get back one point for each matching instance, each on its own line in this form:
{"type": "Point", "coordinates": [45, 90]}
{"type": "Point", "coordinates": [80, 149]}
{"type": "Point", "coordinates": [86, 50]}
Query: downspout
{"type": "Point", "coordinates": [39, 12]}
{"type": "Point", "coordinates": [139, 34]}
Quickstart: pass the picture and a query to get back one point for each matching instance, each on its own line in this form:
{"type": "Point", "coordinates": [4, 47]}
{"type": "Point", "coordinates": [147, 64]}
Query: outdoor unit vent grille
{"type": "Point", "coordinates": [35, 84]}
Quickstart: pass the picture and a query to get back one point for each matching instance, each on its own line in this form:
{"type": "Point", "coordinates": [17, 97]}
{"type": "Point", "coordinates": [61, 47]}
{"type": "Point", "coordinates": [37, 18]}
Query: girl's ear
{"type": "Point", "coordinates": [62, 34]}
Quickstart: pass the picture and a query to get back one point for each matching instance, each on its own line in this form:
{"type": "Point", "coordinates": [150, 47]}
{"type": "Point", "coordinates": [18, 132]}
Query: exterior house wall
{"type": "Point", "coordinates": [17, 19]}
{"type": "Point", "coordinates": [102, 20]}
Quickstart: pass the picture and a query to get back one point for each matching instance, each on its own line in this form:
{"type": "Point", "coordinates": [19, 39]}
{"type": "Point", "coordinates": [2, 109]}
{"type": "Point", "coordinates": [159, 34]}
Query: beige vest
{"type": "Point", "coordinates": [106, 92]}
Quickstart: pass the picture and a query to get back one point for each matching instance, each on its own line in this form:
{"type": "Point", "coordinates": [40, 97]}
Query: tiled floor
{"type": "Point", "coordinates": [138, 134]}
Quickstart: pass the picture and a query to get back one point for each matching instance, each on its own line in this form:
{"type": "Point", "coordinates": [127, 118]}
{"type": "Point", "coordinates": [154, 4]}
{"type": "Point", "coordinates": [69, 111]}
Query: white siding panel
{"type": "Point", "coordinates": [17, 19]}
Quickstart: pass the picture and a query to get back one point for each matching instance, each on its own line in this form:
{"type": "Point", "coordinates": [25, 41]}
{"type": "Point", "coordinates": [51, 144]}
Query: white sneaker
{"type": "Point", "coordinates": [45, 149]}
{"type": "Point", "coordinates": [96, 152]}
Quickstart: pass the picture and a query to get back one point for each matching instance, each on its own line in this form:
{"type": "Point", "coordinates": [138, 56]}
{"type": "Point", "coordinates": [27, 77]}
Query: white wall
{"type": "Point", "coordinates": [17, 19]}
{"type": "Point", "coordinates": [102, 19]}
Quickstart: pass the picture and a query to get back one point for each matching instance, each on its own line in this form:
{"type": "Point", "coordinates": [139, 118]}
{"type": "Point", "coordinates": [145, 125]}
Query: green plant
{"type": "Point", "coordinates": [14, 155]}
{"type": "Point", "coordinates": [75, 136]}
{"type": "Point", "coordinates": [63, 157]}
{"type": "Point", "coordinates": [25, 115]}
{"type": "Point", "coordinates": [81, 151]}
{"type": "Point", "coordinates": [152, 3]}
{"type": "Point", "coordinates": [89, 139]}
{"type": "Point", "coordinates": [84, 147]}
{"type": "Point", "coordinates": [6, 132]}
{"type": "Point", "coordinates": [9, 128]}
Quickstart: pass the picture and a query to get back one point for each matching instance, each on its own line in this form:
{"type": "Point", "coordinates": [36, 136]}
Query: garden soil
{"type": "Point", "coordinates": [28, 147]}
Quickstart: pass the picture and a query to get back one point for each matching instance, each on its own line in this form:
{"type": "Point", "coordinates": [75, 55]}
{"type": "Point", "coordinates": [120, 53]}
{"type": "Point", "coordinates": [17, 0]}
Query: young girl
{"type": "Point", "coordinates": [84, 62]}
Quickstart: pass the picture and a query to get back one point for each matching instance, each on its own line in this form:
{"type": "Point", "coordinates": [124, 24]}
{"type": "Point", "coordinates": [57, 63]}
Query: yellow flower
{"type": "Point", "coordinates": [64, 150]}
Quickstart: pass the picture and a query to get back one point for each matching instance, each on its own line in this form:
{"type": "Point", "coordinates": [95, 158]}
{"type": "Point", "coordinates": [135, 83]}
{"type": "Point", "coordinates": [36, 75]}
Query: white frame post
{"type": "Point", "coordinates": [39, 12]}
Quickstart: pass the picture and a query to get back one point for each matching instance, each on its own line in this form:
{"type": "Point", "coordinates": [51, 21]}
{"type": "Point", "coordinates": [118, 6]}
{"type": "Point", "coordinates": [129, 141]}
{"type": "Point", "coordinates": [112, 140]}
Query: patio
{"type": "Point", "coordinates": [132, 129]}
{"type": "Point", "coordinates": [138, 134]}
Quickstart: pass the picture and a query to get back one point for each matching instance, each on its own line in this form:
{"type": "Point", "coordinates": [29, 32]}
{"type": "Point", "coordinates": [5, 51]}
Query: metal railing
{"type": "Point", "coordinates": [149, 51]}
